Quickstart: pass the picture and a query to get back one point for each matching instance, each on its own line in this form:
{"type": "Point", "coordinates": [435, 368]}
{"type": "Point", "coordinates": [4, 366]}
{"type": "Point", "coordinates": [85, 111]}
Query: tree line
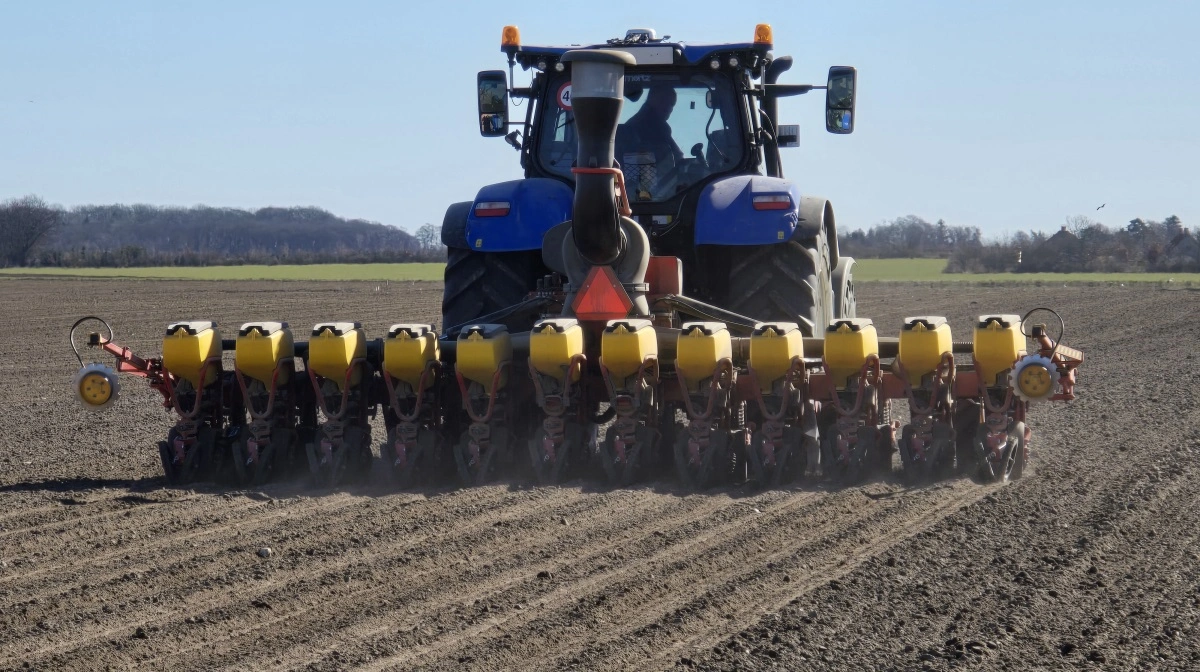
{"type": "Point", "coordinates": [1080, 245]}
{"type": "Point", "coordinates": [33, 233]}
{"type": "Point", "coordinates": [909, 237]}
{"type": "Point", "coordinates": [1084, 245]}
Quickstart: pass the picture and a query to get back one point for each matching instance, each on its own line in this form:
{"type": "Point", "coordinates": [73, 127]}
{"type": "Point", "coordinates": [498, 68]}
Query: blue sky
{"type": "Point", "coordinates": [1006, 116]}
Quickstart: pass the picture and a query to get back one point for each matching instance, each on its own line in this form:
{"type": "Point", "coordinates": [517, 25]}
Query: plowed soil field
{"type": "Point", "coordinates": [1092, 560]}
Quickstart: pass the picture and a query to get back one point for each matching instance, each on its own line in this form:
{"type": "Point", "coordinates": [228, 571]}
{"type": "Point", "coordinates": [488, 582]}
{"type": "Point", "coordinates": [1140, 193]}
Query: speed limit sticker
{"type": "Point", "coordinates": [564, 96]}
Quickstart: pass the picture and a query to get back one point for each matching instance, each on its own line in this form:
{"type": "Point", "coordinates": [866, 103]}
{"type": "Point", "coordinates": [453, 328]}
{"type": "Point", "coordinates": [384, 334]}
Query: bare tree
{"type": "Point", "coordinates": [1076, 224]}
{"type": "Point", "coordinates": [429, 237]}
{"type": "Point", "coordinates": [24, 222]}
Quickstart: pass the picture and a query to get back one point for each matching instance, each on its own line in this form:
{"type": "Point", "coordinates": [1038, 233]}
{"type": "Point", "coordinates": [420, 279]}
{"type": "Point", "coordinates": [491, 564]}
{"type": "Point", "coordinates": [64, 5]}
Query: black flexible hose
{"type": "Point", "coordinates": [74, 346]}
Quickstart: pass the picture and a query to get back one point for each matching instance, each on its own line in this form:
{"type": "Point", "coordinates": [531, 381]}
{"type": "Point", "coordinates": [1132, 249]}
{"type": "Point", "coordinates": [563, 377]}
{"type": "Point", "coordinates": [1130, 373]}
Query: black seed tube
{"type": "Point", "coordinates": [598, 89]}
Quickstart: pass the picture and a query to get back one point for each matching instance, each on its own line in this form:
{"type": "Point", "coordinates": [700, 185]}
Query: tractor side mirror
{"type": "Point", "coordinates": [840, 94]}
{"type": "Point", "coordinates": [492, 87]}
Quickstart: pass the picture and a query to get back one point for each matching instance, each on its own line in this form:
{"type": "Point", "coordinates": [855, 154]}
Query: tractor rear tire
{"type": "Point", "coordinates": [479, 283]}
{"type": "Point", "coordinates": [788, 282]}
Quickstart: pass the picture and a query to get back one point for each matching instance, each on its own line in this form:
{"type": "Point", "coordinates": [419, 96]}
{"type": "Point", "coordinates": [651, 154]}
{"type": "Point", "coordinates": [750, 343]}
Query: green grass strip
{"type": "Point", "coordinates": [865, 270]}
{"type": "Point", "coordinates": [372, 272]}
{"type": "Point", "coordinates": [930, 270]}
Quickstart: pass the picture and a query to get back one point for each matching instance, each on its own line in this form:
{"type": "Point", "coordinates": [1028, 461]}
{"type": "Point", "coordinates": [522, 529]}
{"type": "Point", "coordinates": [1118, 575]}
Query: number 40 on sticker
{"type": "Point", "coordinates": [564, 96]}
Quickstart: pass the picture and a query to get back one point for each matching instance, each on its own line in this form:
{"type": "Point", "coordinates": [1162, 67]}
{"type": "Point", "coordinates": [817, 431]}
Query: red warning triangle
{"type": "Point", "coordinates": [602, 297]}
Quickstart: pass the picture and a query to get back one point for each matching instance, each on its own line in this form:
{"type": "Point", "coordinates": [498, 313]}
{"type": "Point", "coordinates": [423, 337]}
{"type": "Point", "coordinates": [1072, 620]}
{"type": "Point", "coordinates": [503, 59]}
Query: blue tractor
{"type": "Point", "coordinates": [653, 220]}
{"type": "Point", "coordinates": [698, 144]}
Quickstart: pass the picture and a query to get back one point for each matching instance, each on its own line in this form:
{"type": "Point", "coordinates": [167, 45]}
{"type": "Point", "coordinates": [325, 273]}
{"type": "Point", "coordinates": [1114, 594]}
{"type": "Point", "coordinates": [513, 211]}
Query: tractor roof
{"type": "Point", "coordinates": [646, 53]}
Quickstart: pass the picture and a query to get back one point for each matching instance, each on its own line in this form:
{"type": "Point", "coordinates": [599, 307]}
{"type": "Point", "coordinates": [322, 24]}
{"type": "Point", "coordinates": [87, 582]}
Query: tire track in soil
{"type": "Point", "coordinates": [1066, 584]}
{"type": "Point", "coordinates": [213, 597]}
{"type": "Point", "coordinates": [1178, 533]}
{"type": "Point", "coordinates": [219, 594]}
{"type": "Point", "coordinates": [641, 598]}
{"type": "Point", "coordinates": [240, 527]}
{"type": "Point", "coordinates": [674, 511]}
{"type": "Point", "coordinates": [68, 511]}
{"type": "Point", "coordinates": [740, 612]}
{"type": "Point", "coordinates": [219, 504]}
{"type": "Point", "coordinates": [1171, 608]}
{"type": "Point", "coordinates": [599, 576]}
{"type": "Point", "coordinates": [586, 560]}
{"type": "Point", "coordinates": [69, 507]}
{"type": "Point", "coordinates": [602, 577]}
{"type": "Point", "coordinates": [180, 551]}
{"type": "Point", "coordinates": [175, 545]}
{"type": "Point", "coordinates": [85, 530]}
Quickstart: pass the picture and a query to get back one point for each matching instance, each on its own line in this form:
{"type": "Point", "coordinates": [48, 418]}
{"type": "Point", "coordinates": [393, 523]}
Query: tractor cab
{"type": "Point", "coordinates": [697, 145]}
{"type": "Point", "coordinates": [691, 114]}
{"type": "Point", "coordinates": [677, 129]}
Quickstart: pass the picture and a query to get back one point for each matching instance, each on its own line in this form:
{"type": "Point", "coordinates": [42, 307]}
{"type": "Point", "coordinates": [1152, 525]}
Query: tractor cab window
{"type": "Point", "coordinates": [675, 130]}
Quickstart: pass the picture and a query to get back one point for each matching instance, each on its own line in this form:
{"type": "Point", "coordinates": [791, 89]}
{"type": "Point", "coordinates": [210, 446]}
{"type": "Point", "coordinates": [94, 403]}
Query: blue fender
{"type": "Point", "coordinates": [725, 213]}
{"type": "Point", "coordinates": [536, 205]}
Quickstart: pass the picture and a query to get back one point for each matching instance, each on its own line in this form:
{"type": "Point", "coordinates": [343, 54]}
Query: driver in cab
{"type": "Point", "coordinates": [645, 148]}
